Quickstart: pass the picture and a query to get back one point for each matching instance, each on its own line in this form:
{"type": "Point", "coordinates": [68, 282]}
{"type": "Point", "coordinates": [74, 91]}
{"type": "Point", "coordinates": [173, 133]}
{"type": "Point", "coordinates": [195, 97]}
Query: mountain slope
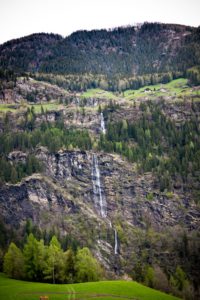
{"type": "Point", "coordinates": [27, 53]}
{"type": "Point", "coordinates": [113, 168]}
{"type": "Point", "coordinates": [151, 48]}
{"type": "Point", "coordinates": [131, 194]}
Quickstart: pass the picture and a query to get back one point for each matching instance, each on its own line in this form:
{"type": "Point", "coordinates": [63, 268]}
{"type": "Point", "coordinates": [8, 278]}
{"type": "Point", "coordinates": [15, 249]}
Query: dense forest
{"type": "Point", "coordinates": [157, 145]}
{"type": "Point", "coordinates": [149, 48]}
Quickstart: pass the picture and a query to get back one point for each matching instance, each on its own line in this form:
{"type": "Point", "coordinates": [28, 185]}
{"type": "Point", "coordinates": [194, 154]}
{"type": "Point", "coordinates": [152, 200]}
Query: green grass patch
{"type": "Point", "coordinates": [8, 107]}
{"type": "Point", "coordinates": [46, 107]}
{"type": "Point", "coordinates": [16, 107]}
{"type": "Point", "coordinates": [104, 290]}
{"type": "Point", "coordinates": [177, 87]}
{"type": "Point", "coordinates": [98, 94]}
{"type": "Point", "coordinates": [149, 196]}
{"type": "Point", "coordinates": [169, 195]}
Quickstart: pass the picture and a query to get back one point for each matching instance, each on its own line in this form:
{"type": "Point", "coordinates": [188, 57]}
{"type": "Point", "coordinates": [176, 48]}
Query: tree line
{"type": "Point", "coordinates": [115, 83]}
{"type": "Point", "coordinates": [49, 263]}
{"type": "Point", "coordinates": [59, 259]}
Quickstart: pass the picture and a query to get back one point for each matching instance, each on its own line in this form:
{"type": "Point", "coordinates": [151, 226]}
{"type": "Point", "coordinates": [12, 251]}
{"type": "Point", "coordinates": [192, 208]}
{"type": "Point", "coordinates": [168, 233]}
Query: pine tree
{"type": "Point", "coordinates": [54, 264]}
{"type": "Point", "coordinates": [87, 267]}
{"type": "Point", "coordinates": [34, 253]}
{"type": "Point", "coordinates": [69, 267]}
{"type": "Point", "coordinates": [13, 175]}
{"type": "Point", "coordinates": [13, 264]}
{"type": "Point", "coordinates": [149, 277]}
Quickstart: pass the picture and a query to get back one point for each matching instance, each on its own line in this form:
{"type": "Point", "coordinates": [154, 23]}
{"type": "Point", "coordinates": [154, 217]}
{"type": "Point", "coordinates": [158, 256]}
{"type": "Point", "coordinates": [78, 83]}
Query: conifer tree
{"type": "Point", "coordinates": [87, 267]}
{"type": "Point", "coordinates": [13, 264]}
{"type": "Point", "coordinates": [54, 262]}
{"type": "Point", "coordinates": [34, 253]}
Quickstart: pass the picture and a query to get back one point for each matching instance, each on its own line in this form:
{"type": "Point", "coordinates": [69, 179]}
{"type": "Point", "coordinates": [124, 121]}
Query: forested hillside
{"type": "Point", "coordinates": [99, 157]}
{"type": "Point", "coordinates": [149, 48]}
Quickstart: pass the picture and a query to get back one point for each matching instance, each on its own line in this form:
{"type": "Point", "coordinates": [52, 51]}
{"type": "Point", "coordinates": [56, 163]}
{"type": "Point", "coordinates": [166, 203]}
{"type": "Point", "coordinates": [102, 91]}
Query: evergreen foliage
{"type": "Point", "coordinates": [156, 144]}
{"type": "Point", "coordinates": [53, 137]}
{"type": "Point", "coordinates": [34, 255]}
{"type": "Point", "coordinates": [193, 74]}
{"type": "Point", "coordinates": [13, 172]}
{"type": "Point", "coordinates": [55, 261]}
{"type": "Point", "coordinates": [49, 263]}
{"type": "Point", "coordinates": [124, 51]}
{"type": "Point", "coordinates": [87, 267]}
{"type": "Point", "coordinates": [117, 82]}
{"type": "Point", "coordinates": [14, 262]}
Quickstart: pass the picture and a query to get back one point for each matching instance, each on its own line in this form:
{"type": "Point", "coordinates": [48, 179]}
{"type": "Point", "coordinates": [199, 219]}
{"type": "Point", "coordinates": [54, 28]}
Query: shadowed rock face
{"type": "Point", "coordinates": [69, 185]}
{"type": "Point", "coordinates": [31, 199]}
{"type": "Point", "coordinates": [63, 198]}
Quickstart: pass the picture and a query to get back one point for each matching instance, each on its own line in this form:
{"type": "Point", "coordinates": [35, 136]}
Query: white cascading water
{"type": "Point", "coordinates": [103, 128]}
{"type": "Point", "coordinates": [116, 242]}
{"type": "Point", "coordinates": [99, 198]}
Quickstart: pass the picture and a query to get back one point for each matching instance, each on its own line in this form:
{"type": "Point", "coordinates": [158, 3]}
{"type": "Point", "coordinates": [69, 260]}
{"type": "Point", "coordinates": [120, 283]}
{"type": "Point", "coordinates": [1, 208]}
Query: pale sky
{"type": "Point", "coordinates": [23, 17]}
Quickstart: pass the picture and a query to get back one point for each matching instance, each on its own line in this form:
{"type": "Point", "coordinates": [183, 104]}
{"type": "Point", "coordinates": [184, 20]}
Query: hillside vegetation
{"type": "Point", "coordinates": [151, 48]}
{"type": "Point", "coordinates": [100, 158]}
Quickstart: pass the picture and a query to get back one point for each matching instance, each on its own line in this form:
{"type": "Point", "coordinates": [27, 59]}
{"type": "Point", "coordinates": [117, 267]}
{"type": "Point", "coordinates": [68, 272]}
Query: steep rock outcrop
{"type": "Point", "coordinates": [63, 198]}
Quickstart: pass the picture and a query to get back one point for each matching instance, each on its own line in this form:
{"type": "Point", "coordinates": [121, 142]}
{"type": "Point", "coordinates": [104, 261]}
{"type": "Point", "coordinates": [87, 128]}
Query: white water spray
{"type": "Point", "coordinates": [99, 197]}
{"type": "Point", "coordinates": [116, 242]}
{"type": "Point", "coordinates": [103, 128]}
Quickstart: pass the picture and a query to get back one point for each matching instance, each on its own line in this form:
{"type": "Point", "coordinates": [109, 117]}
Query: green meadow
{"type": "Point", "coordinates": [98, 94]}
{"type": "Point", "coordinates": [7, 107]}
{"type": "Point", "coordinates": [46, 106]}
{"type": "Point", "coordinates": [11, 289]}
{"type": "Point", "coordinates": [176, 88]}
{"type": "Point", "coordinates": [37, 107]}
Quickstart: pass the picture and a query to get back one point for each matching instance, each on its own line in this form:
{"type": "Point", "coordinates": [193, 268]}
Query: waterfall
{"type": "Point", "coordinates": [99, 197]}
{"type": "Point", "coordinates": [103, 128]}
{"type": "Point", "coordinates": [116, 242]}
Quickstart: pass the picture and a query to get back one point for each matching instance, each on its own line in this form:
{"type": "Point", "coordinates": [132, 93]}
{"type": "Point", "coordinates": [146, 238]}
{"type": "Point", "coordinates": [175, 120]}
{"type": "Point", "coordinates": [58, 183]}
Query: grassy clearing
{"type": "Point", "coordinates": [176, 87]}
{"type": "Point", "coordinates": [7, 107]}
{"type": "Point", "coordinates": [98, 94]}
{"type": "Point", "coordinates": [17, 107]}
{"type": "Point", "coordinates": [103, 290]}
{"type": "Point", "coordinates": [46, 107]}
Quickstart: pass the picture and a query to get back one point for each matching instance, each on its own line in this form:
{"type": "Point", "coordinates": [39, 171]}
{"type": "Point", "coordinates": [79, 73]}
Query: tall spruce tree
{"type": "Point", "coordinates": [13, 264]}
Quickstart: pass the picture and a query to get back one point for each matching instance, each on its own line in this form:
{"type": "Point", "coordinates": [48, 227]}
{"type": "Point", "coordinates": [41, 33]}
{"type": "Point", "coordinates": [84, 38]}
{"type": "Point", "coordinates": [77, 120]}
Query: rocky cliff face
{"type": "Point", "coordinates": [63, 198]}
{"type": "Point", "coordinates": [100, 199]}
{"type": "Point", "coordinates": [32, 90]}
{"type": "Point", "coordinates": [126, 192]}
